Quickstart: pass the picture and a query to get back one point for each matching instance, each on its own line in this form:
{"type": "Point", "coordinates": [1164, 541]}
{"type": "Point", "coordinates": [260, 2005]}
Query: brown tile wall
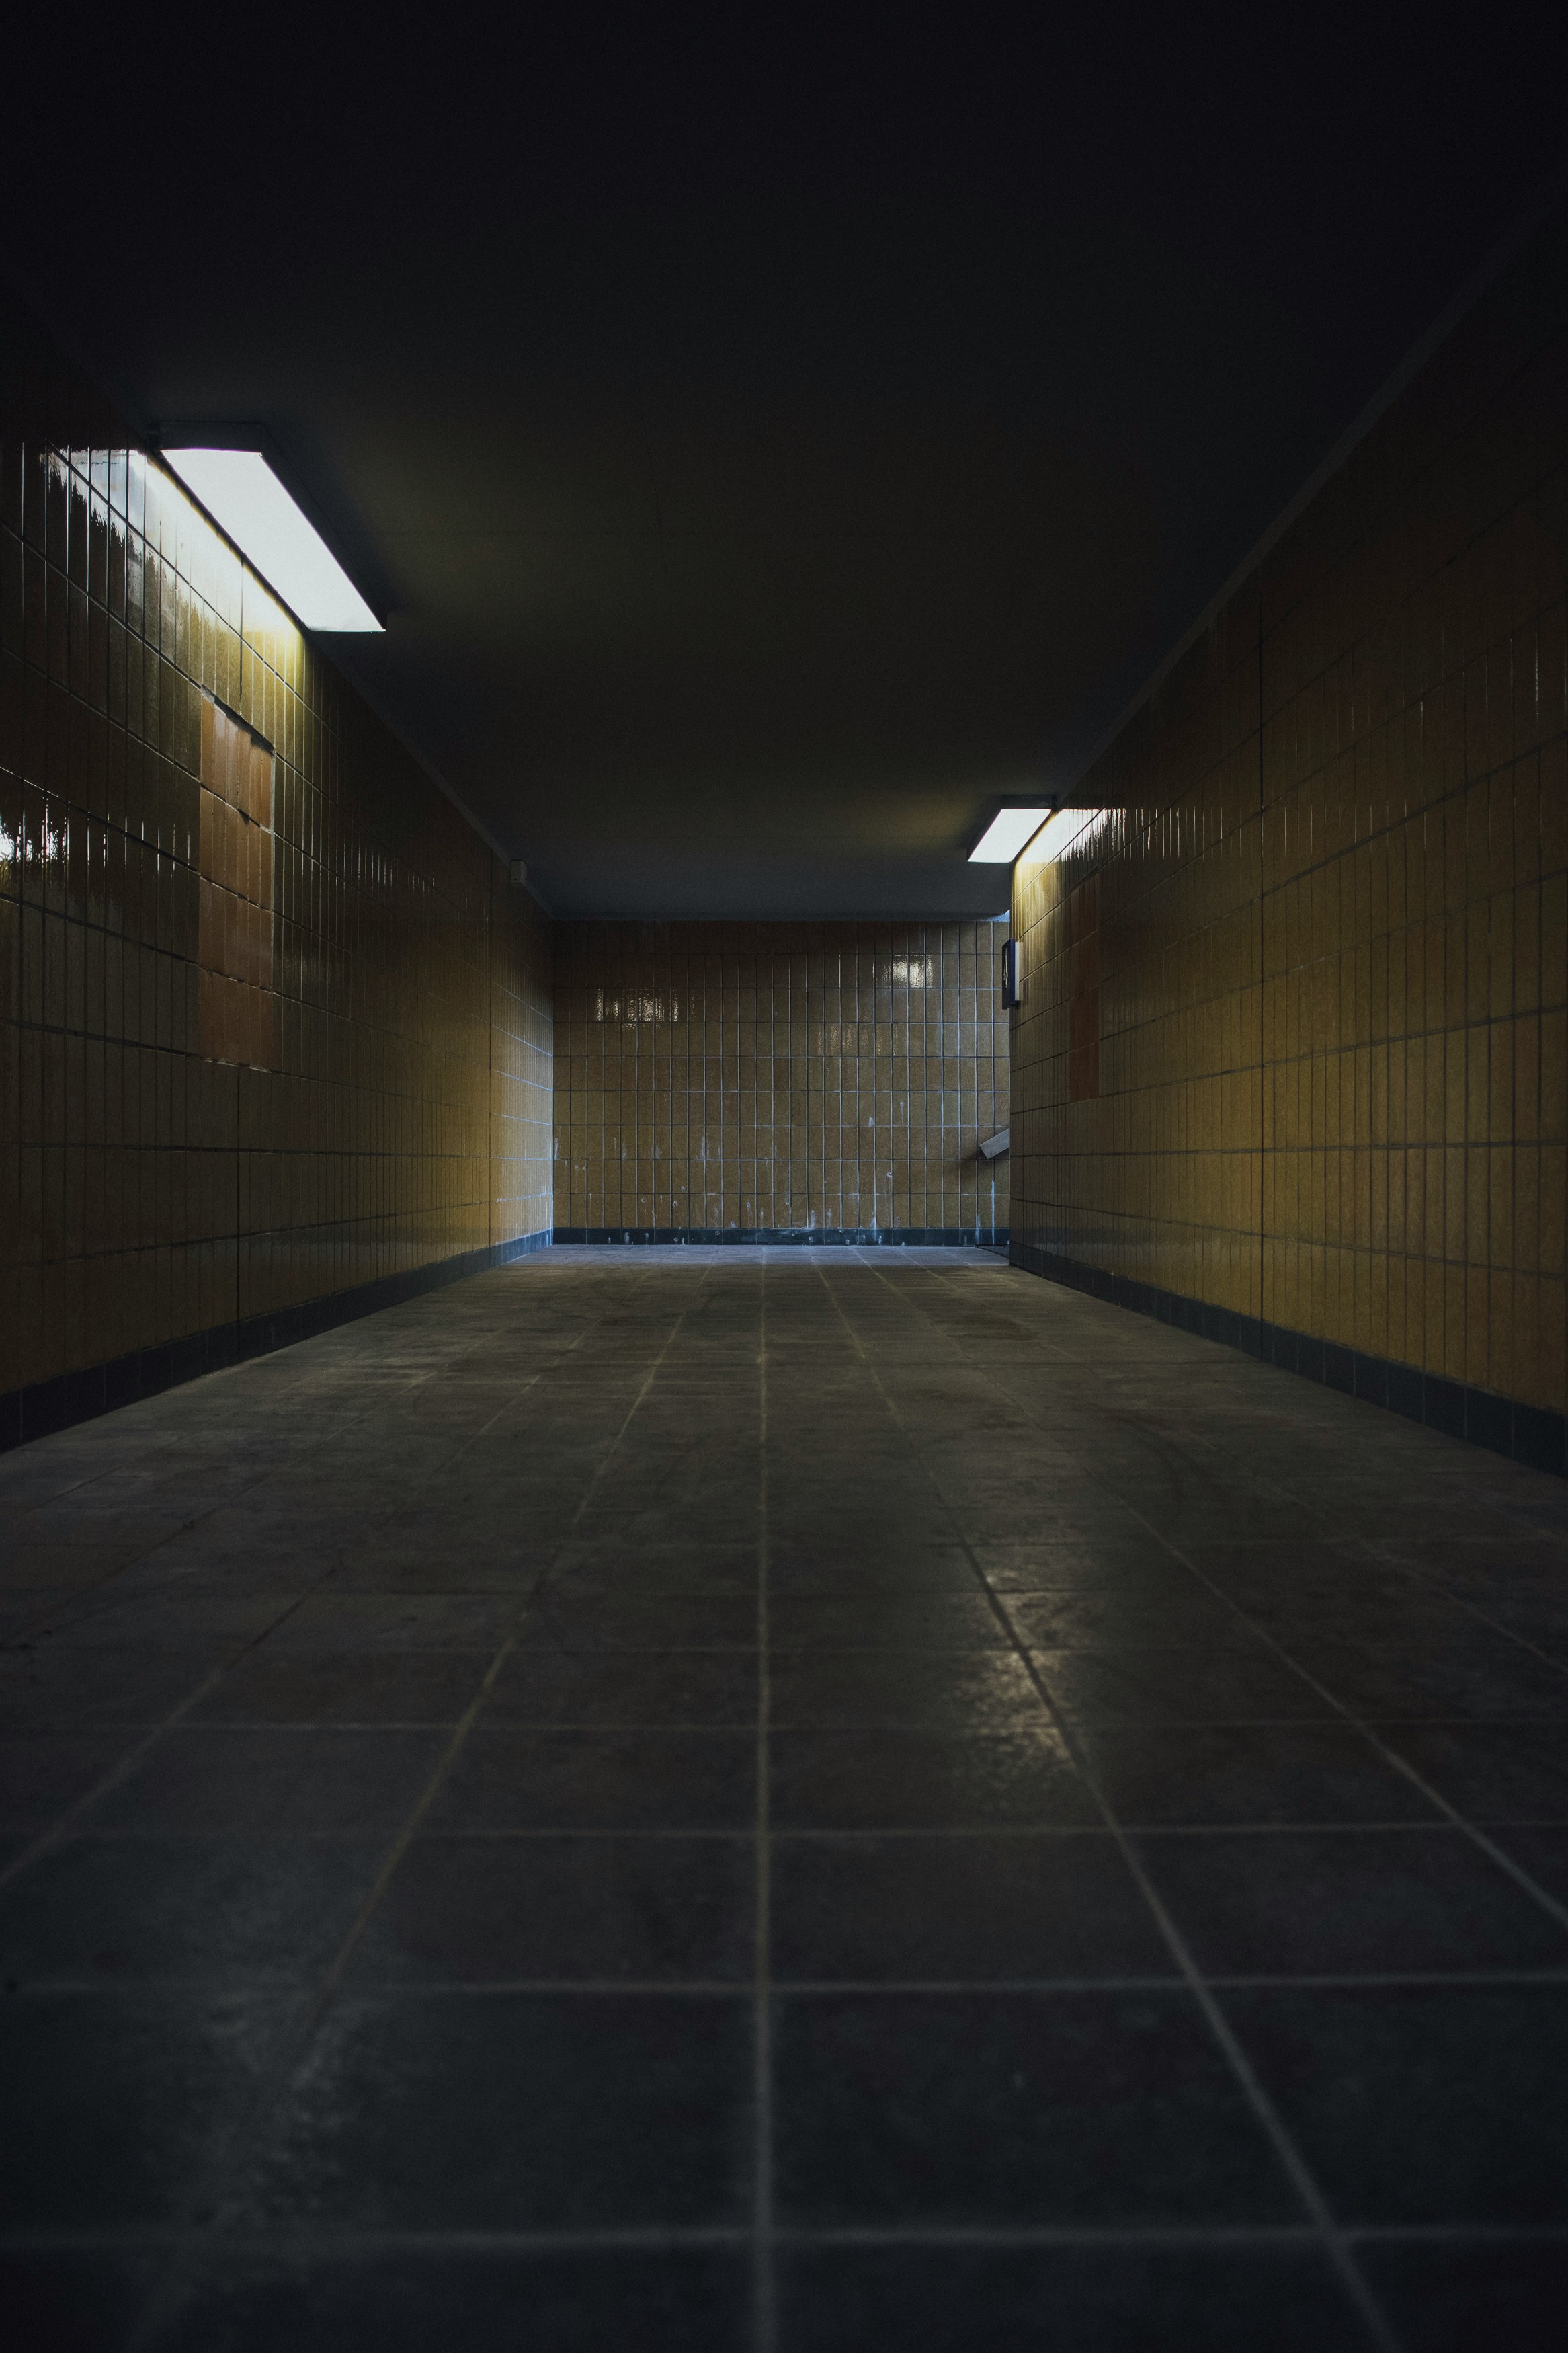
{"type": "Point", "coordinates": [273, 1021]}
{"type": "Point", "coordinates": [724, 1077]}
{"type": "Point", "coordinates": [1293, 1036]}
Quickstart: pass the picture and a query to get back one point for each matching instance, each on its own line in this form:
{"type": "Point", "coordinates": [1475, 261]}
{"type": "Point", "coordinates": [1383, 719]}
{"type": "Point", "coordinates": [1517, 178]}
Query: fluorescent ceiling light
{"type": "Point", "coordinates": [1005, 835]}
{"type": "Point", "coordinates": [240, 490]}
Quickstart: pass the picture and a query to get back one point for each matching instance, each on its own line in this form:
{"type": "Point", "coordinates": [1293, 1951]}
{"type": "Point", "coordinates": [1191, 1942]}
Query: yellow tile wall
{"type": "Point", "coordinates": [1329, 898]}
{"type": "Point", "coordinates": [159, 1179]}
{"type": "Point", "coordinates": [725, 1077]}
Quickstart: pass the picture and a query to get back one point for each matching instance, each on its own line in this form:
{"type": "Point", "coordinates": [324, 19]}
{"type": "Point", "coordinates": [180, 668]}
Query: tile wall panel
{"type": "Point", "coordinates": [1328, 903]}
{"type": "Point", "coordinates": [274, 1021]}
{"type": "Point", "coordinates": [782, 1077]}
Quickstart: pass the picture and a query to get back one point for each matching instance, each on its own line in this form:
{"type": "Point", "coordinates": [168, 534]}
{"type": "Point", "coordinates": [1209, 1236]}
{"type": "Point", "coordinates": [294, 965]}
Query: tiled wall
{"type": "Point", "coordinates": [1293, 1037]}
{"type": "Point", "coordinates": [726, 1077]}
{"type": "Point", "coordinates": [275, 1023]}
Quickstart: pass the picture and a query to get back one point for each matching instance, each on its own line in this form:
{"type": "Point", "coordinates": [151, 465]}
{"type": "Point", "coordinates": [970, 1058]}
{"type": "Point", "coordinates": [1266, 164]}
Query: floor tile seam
{"type": "Point", "coordinates": [735, 1990]}
{"type": "Point", "coordinates": [305, 1661]}
{"type": "Point", "coordinates": [292, 2242]}
{"type": "Point", "coordinates": [468, 1721]}
{"type": "Point", "coordinates": [1523, 1879]}
{"type": "Point", "coordinates": [764, 2301]}
{"type": "Point", "coordinates": [63, 1828]}
{"type": "Point", "coordinates": [550, 1645]}
{"type": "Point", "coordinates": [1290, 2159]}
{"type": "Point", "coordinates": [1176, 2235]}
{"type": "Point", "coordinates": [1346, 2263]}
{"type": "Point", "coordinates": [1427, 1826]}
{"type": "Point", "coordinates": [795, 1726]}
{"type": "Point", "coordinates": [1468, 2233]}
{"type": "Point", "coordinates": [65, 1825]}
{"type": "Point", "coordinates": [870, 1833]}
{"type": "Point", "coordinates": [783, 1986]}
{"type": "Point", "coordinates": [98, 1584]}
{"type": "Point", "coordinates": [1381, 1550]}
{"type": "Point", "coordinates": [58, 1728]}
{"type": "Point", "coordinates": [292, 2041]}
{"type": "Point", "coordinates": [1496, 1626]}
{"type": "Point", "coordinates": [130, 1985]}
{"type": "Point", "coordinates": [1173, 1982]}
{"type": "Point", "coordinates": [265, 1472]}
{"type": "Point", "coordinates": [444, 1724]}
{"type": "Point", "coordinates": [493, 1728]}
{"type": "Point", "coordinates": [789, 1834]}
{"type": "Point", "coordinates": [289, 2243]}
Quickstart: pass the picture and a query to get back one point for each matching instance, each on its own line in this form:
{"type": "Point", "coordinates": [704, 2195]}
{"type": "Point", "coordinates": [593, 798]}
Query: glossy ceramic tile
{"type": "Point", "coordinates": [1294, 1040]}
{"type": "Point", "coordinates": [273, 1020]}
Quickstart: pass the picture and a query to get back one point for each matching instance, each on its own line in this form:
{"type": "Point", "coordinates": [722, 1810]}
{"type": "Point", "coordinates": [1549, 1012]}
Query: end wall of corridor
{"type": "Point", "coordinates": [788, 1080]}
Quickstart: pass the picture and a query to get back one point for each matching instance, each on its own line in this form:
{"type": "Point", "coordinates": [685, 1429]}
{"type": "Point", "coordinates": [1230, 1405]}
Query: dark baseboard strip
{"type": "Point", "coordinates": [805, 1237]}
{"type": "Point", "coordinates": [47, 1406]}
{"type": "Point", "coordinates": [1526, 1434]}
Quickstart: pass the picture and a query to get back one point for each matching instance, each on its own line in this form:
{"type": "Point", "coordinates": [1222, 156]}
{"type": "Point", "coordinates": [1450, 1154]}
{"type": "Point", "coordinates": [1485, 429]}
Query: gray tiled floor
{"type": "Point", "coordinates": [767, 1799]}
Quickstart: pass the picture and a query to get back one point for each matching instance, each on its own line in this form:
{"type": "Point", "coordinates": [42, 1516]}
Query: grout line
{"type": "Point", "coordinates": [765, 2303]}
{"type": "Point", "coordinates": [1451, 1814]}
{"type": "Point", "coordinates": [302, 2243]}
{"type": "Point", "coordinates": [65, 1824]}
{"type": "Point", "coordinates": [815, 1989]}
{"type": "Point", "coordinates": [823, 1833]}
{"type": "Point", "coordinates": [1383, 1552]}
{"type": "Point", "coordinates": [1292, 2161]}
{"type": "Point", "coordinates": [168, 2293]}
{"type": "Point", "coordinates": [58, 1727]}
{"type": "Point", "coordinates": [291, 2241]}
{"type": "Point", "coordinates": [405, 1389]}
{"type": "Point", "coordinates": [764, 2233]}
{"type": "Point", "coordinates": [1433, 1580]}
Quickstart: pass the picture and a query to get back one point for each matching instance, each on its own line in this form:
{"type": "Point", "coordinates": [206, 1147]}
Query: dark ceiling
{"type": "Point", "coordinates": [768, 457]}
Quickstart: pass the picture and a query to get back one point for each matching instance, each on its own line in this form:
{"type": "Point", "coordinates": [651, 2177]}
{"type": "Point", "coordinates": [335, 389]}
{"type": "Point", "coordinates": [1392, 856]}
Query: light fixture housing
{"type": "Point", "coordinates": [242, 492]}
{"type": "Point", "coordinates": [1009, 831]}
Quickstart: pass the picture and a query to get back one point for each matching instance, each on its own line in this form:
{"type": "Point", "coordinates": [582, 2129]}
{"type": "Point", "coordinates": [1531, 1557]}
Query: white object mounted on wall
{"type": "Point", "coordinates": [1013, 972]}
{"type": "Point", "coordinates": [518, 873]}
{"type": "Point", "coordinates": [992, 1147]}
